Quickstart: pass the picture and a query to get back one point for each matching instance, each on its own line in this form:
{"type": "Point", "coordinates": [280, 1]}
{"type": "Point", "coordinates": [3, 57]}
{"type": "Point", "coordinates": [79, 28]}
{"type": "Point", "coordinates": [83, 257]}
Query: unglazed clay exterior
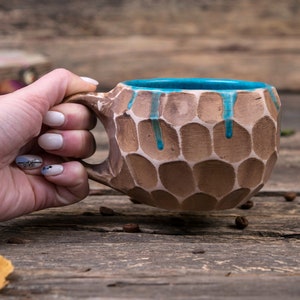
{"type": "Point", "coordinates": [187, 144]}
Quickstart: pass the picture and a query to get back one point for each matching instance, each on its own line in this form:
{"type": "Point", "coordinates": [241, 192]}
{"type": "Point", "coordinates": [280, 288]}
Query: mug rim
{"type": "Point", "coordinates": [174, 84]}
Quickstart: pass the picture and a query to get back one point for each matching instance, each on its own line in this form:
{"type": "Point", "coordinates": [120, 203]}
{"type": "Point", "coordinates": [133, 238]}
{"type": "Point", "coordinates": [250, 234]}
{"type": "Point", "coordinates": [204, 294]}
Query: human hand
{"type": "Point", "coordinates": [33, 121]}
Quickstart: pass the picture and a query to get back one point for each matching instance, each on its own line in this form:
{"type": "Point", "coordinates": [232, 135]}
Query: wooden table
{"type": "Point", "coordinates": [78, 253]}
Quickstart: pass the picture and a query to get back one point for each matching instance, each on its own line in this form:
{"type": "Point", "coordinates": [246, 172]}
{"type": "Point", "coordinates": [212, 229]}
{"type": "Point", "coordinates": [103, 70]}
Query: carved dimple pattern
{"type": "Point", "coordinates": [142, 170]}
{"type": "Point", "coordinates": [264, 137]}
{"type": "Point", "coordinates": [199, 150]}
{"type": "Point", "coordinates": [180, 108]}
{"type": "Point", "coordinates": [248, 102]}
{"type": "Point", "coordinates": [177, 177]}
{"type": "Point", "coordinates": [199, 168]}
{"type": "Point", "coordinates": [234, 149]}
{"type": "Point", "coordinates": [148, 144]}
{"type": "Point", "coordinates": [126, 133]}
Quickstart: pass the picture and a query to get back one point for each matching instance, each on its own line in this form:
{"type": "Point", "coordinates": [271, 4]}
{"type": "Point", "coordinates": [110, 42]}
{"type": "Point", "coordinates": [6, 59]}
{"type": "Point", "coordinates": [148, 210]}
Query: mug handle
{"type": "Point", "coordinates": [100, 105]}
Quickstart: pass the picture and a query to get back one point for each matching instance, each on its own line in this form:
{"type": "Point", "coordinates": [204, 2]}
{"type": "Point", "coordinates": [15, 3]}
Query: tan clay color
{"type": "Point", "coordinates": [199, 168]}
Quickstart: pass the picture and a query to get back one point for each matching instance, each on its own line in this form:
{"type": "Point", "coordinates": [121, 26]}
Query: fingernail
{"type": "Point", "coordinates": [89, 80]}
{"type": "Point", "coordinates": [54, 118]}
{"type": "Point", "coordinates": [51, 141]}
{"type": "Point", "coordinates": [52, 170]}
{"type": "Point", "coordinates": [28, 161]}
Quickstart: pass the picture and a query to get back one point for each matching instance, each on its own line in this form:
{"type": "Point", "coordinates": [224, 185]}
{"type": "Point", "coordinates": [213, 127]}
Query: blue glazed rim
{"type": "Point", "coordinates": [179, 84]}
{"type": "Point", "coordinates": [227, 88]}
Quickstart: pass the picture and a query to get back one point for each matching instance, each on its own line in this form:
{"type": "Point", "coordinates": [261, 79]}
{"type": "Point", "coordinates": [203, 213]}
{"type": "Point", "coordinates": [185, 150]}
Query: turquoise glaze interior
{"type": "Point", "coordinates": [178, 84]}
{"type": "Point", "coordinates": [227, 88]}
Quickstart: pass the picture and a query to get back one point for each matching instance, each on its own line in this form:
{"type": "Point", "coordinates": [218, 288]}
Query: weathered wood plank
{"type": "Point", "coordinates": [77, 253]}
{"type": "Point", "coordinates": [120, 58]}
{"type": "Point", "coordinates": [145, 17]}
{"type": "Point", "coordinates": [201, 286]}
{"type": "Point", "coordinates": [185, 287]}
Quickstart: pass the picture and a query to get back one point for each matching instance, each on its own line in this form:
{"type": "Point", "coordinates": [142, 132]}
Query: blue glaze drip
{"type": "Point", "coordinates": [157, 133]}
{"type": "Point", "coordinates": [229, 99]}
{"type": "Point", "coordinates": [154, 117]}
{"type": "Point", "coordinates": [130, 103]}
{"type": "Point", "coordinates": [273, 97]}
{"type": "Point", "coordinates": [227, 88]}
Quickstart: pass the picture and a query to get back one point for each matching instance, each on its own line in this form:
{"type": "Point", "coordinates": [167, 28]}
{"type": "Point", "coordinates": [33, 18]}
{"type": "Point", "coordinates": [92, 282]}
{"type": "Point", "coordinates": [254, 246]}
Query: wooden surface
{"type": "Point", "coordinates": [113, 41]}
{"type": "Point", "coordinates": [77, 253]}
{"type": "Point", "coordinates": [114, 59]}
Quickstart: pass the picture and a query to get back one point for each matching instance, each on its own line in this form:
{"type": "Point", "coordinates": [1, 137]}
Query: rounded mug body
{"type": "Point", "coordinates": [187, 143]}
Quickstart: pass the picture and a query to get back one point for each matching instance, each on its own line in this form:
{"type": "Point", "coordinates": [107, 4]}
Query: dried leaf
{"type": "Point", "coordinates": [6, 268]}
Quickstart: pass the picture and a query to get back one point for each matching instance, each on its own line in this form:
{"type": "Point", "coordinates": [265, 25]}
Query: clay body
{"type": "Point", "coordinates": [187, 143]}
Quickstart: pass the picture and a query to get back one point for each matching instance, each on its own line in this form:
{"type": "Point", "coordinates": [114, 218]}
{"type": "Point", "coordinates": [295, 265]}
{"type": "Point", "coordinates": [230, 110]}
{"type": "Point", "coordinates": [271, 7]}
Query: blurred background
{"type": "Point", "coordinates": [116, 40]}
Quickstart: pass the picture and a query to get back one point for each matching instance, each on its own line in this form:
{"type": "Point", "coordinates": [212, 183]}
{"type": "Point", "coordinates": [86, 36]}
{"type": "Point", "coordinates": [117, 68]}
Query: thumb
{"type": "Point", "coordinates": [53, 87]}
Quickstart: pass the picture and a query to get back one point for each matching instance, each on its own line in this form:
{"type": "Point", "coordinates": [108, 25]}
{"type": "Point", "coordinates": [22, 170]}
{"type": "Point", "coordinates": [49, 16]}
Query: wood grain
{"type": "Point", "coordinates": [77, 253]}
{"type": "Point", "coordinates": [113, 41]}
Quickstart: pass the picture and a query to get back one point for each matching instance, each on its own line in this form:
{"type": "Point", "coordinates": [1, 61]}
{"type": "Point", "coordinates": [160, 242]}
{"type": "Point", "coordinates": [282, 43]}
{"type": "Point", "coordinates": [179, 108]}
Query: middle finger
{"type": "Point", "coordinates": [68, 143]}
{"type": "Point", "coordinates": [70, 116]}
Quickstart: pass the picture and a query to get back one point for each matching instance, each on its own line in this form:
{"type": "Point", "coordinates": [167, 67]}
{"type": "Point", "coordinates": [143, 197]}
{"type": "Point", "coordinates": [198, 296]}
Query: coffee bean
{"type": "Point", "coordinates": [15, 240]}
{"type": "Point", "coordinates": [290, 196]}
{"type": "Point", "coordinates": [198, 251]}
{"type": "Point", "coordinates": [88, 213]}
{"type": "Point", "coordinates": [241, 222]}
{"type": "Point", "coordinates": [106, 211]}
{"type": "Point", "coordinates": [131, 227]}
{"type": "Point", "coordinates": [86, 270]}
{"type": "Point", "coordinates": [247, 205]}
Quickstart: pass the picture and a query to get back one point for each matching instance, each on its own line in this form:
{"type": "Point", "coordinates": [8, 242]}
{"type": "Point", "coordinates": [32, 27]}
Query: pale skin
{"type": "Point", "coordinates": [22, 114]}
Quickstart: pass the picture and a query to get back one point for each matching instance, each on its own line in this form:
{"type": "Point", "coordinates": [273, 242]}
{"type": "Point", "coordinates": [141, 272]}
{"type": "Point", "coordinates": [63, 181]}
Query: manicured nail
{"type": "Point", "coordinates": [54, 118]}
{"type": "Point", "coordinates": [52, 170]}
{"type": "Point", "coordinates": [51, 141]}
{"type": "Point", "coordinates": [89, 80]}
{"type": "Point", "coordinates": [28, 161]}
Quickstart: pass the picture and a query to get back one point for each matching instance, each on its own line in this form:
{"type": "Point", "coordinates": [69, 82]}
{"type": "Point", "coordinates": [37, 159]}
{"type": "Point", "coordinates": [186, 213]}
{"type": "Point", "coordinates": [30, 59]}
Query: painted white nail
{"type": "Point", "coordinates": [54, 118]}
{"type": "Point", "coordinates": [28, 161]}
{"type": "Point", "coordinates": [52, 170]}
{"type": "Point", "coordinates": [51, 141]}
{"type": "Point", "coordinates": [89, 80]}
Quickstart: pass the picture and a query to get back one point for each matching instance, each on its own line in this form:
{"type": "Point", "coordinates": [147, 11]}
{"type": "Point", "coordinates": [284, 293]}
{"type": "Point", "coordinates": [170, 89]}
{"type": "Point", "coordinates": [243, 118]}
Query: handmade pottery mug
{"type": "Point", "coordinates": [187, 143]}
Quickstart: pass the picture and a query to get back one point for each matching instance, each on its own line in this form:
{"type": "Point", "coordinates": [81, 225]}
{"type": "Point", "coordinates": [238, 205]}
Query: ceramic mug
{"type": "Point", "coordinates": [187, 143]}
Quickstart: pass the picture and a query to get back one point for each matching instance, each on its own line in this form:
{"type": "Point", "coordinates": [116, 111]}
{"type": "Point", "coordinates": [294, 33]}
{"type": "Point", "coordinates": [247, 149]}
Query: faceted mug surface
{"type": "Point", "coordinates": [194, 144]}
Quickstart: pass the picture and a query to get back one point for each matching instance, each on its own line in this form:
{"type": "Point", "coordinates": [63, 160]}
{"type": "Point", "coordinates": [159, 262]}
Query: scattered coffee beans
{"type": "Point", "coordinates": [198, 251]}
{"type": "Point", "coordinates": [247, 205]}
{"type": "Point", "coordinates": [106, 211]}
{"type": "Point", "coordinates": [15, 240]}
{"type": "Point", "coordinates": [290, 196]}
{"type": "Point", "coordinates": [131, 227]}
{"type": "Point", "coordinates": [241, 222]}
